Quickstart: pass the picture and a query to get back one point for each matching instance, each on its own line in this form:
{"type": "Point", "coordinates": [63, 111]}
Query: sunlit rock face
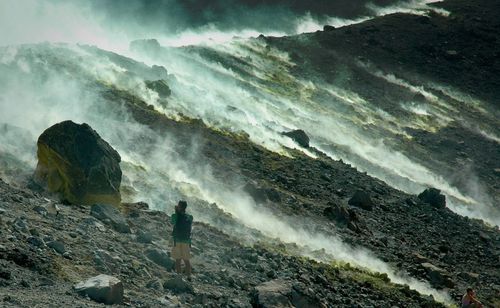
{"type": "Point", "coordinates": [74, 161]}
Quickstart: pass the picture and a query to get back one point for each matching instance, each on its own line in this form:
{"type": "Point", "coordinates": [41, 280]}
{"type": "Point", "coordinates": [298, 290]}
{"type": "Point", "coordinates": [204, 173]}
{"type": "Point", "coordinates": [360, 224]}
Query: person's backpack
{"type": "Point", "coordinates": [182, 227]}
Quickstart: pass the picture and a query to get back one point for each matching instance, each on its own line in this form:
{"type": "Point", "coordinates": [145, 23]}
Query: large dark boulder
{"type": "Point", "coordinates": [433, 197]}
{"type": "Point", "coordinates": [74, 161]}
{"type": "Point", "coordinates": [298, 136]}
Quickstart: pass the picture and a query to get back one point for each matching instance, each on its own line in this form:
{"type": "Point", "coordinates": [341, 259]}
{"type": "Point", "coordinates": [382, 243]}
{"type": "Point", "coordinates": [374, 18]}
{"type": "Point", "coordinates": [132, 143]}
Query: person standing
{"type": "Point", "coordinates": [469, 300]}
{"type": "Point", "coordinates": [181, 251]}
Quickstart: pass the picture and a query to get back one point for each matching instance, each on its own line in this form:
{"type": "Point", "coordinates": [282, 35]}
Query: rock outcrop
{"type": "Point", "coordinates": [74, 161]}
{"type": "Point", "coordinates": [433, 197]}
{"type": "Point", "coordinates": [159, 86]}
{"type": "Point", "coordinates": [298, 136]}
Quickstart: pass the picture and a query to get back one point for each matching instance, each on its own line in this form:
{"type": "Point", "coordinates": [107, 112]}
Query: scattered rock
{"type": "Point", "coordinates": [110, 215]}
{"type": "Point", "coordinates": [338, 213]}
{"type": "Point", "coordinates": [35, 241]}
{"type": "Point", "coordinates": [102, 289]}
{"type": "Point", "coordinates": [178, 285]}
{"type": "Point", "coordinates": [155, 284]}
{"type": "Point", "coordinates": [273, 195]}
{"type": "Point", "coordinates": [419, 258]}
{"type": "Point", "coordinates": [469, 276]}
{"type": "Point", "coordinates": [105, 261]}
{"type": "Point", "coordinates": [145, 237]}
{"type": "Point", "coordinates": [58, 246]}
{"type": "Point", "coordinates": [5, 274]}
{"type": "Point", "coordinates": [74, 161]}
{"type": "Point", "coordinates": [437, 276]}
{"type": "Point", "coordinates": [362, 200]}
{"type": "Point", "coordinates": [298, 136]}
{"type": "Point", "coordinates": [160, 257]}
{"type": "Point", "coordinates": [272, 294]}
{"type": "Point", "coordinates": [40, 210]}
{"type": "Point", "coordinates": [258, 194]}
{"type": "Point", "coordinates": [433, 197]}
{"type": "Point", "coordinates": [159, 86]}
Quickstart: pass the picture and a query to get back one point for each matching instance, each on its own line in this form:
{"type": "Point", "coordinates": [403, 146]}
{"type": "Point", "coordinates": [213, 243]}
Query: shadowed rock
{"type": "Point", "coordinates": [160, 87]}
{"type": "Point", "coordinates": [280, 293]}
{"type": "Point", "coordinates": [433, 197]}
{"type": "Point", "coordinates": [111, 216]}
{"type": "Point", "coordinates": [74, 161]}
{"type": "Point", "coordinates": [102, 289]}
{"type": "Point", "coordinates": [298, 136]}
{"type": "Point", "coordinates": [362, 200]}
{"type": "Point", "coordinates": [178, 285]}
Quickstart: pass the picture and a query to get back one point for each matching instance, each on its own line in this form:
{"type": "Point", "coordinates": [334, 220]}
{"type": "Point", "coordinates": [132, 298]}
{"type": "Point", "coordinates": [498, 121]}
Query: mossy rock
{"type": "Point", "coordinates": [74, 161]}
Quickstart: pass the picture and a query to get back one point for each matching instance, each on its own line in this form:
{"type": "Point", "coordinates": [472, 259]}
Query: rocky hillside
{"type": "Point", "coordinates": [47, 247]}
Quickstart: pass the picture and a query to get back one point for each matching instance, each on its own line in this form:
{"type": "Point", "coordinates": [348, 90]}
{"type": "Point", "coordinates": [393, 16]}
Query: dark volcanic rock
{"type": "Point", "coordinates": [103, 289]}
{"type": "Point", "coordinates": [328, 28]}
{"type": "Point", "coordinates": [58, 246]}
{"type": "Point", "coordinates": [110, 215]}
{"type": "Point", "coordinates": [362, 200]}
{"type": "Point", "coordinates": [437, 276]}
{"type": "Point", "coordinates": [274, 293]}
{"type": "Point", "coordinates": [160, 257]}
{"type": "Point", "coordinates": [434, 197]}
{"type": "Point", "coordinates": [178, 285]}
{"type": "Point", "coordinates": [340, 214]}
{"type": "Point", "coordinates": [159, 86]}
{"type": "Point", "coordinates": [299, 136]}
{"type": "Point", "coordinates": [76, 162]}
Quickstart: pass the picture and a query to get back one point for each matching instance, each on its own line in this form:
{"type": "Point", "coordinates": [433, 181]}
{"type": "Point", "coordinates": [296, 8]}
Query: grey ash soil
{"type": "Point", "coordinates": [33, 274]}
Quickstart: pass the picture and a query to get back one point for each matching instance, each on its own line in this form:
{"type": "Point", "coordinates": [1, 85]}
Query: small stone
{"type": "Point", "coordinates": [109, 214]}
{"type": "Point", "coordinates": [35, 241]}
{"type": "Point", "coordinates": [4, 274]}
{"type": "Point", "coordinates": [178, 285]}
{"type": "Point", "coordinates": [40, 210]}
{"type": "Point", "coordinates": [25, 284]}
{"type": "Point", "coordinates": [469, 276]}
{"type": "Point", "coordinates": [58, 246]}
{"type": "Point", "coordinates": [160, 257]}
{"type": "Point", "coordinates": [44, 281]}
{"type": "Point", "coordinates": [144, 237]}
{"type": "Point", "coordinates": [155, 284]}
{"type": "Point", "coordinates": [271, 274]}
{"type": "Point", "coordinates": [2, 211]}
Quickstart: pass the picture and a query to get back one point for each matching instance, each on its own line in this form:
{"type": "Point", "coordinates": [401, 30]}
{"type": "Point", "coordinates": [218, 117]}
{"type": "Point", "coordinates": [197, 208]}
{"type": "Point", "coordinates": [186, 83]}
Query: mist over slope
{"type": "Point", "coordinates": [213, 126]}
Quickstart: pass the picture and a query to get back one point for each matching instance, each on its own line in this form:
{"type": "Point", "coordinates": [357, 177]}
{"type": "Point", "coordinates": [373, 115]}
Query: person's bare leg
{"type": "Point", "coordinates": [188, 267]}
{"type": "Point", "coordinates": [178, 266]}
